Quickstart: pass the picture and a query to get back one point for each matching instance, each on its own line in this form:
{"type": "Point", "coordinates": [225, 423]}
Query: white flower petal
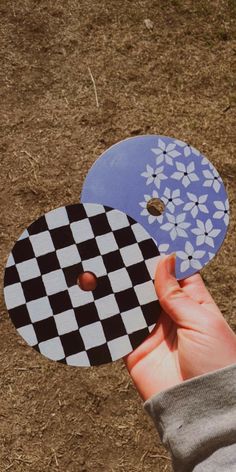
{"type": "Point", "coordinates": [169, 160]}
{"type": "Point", "coordinates": [209, 241]}
{"type": "Point", "coordinates": [177, 175]}
{"type": "Point", "coordinates": [194, 211]}
{"type": "Point", "coordinates": [203, 198]}
{"type": "Point", "coordinates": [185, 181]}
{"type": "Point", "coordinates": [193, 177]}
{"type": "Point", "coordinates": [219, 205]}
{"type": "Point", "coordinates": [149, 168]}
{"type": "Point", "coordinates": [173, 234]}
{"type": "Point", "coordinates": [170, 147]}
{"type": "Point", "coordinates": [195, 151]}
{"type": "Point", "coordinates": [195, 264]}
{"type": "Point", "coordinates": [197, 231]}
{"type": "Point", "coordinates": [170, 207]}
{"type": "Point", "coordinates": [184, 225]}
{"type": "Point", "coordinates": [161, 144]}
{"type": "Point", "coordinates": [189, 206]}
{"type": "Point", "coordinates": [159, 159]}
{"type": "Point", "coordinates": [159, 170]}
{"type": "Point", "coordinates": [187, 151]}
{"type": "Point", "coordinates": [163, 247]}
{"type": "Point", "coordinates": [214, 233]}
{"type": "Point", "coordinates": [149, 180]}
{"type": "Point", "coordinates": [144, 212]}
{"type": "Point", "coordinates": [182, 255]}
{"type": "Point", "coordinates": [203, 208]}
{"type": "Point", "coordinates": [208, 225]}
{"type": "Point", "coordinates": [167, 192]}
{"type": "Point", "coordinates": [180, 143]}
{"type": "Point", "coordinates": [216, 186]}
{"type": "Point", "coordinates": [218, 215]}
{"type": "Point", "coordinates": [176, 193]}
{"type": "Point", "coordinates": [208, 183]}
{"type": "Point", "coordinates": [192, 197]}
{"type": "Point", "coordinates": [157, 151]}
{"type": "Point", "coordinates": [178, 201]}
{"type": "Point", "coordinates": [181, 232]}
{"type": "Point", "coordinates": [190, 167]}
{"type": "Point", "coordinates": [170, 218]}
{"type": "Point", "coordinates": [207, 174]}
{"type": "Point", "coordinates": [189, 248]}
{"type": "Point", "coordinates": [184, 265]}
{"type": "Point", "coordinates": [151, 219]}
{"type": "Point", "coordinates": [180, 218]}
{"type": "Point", "coordinates": [180, 166]}
{"type": "Point", "coordinates": [167, 226]}
{"type": "Point", "coordinates": [200, 240]}
{"type": "Point", "coordinates": [143, 204]}
{"type": "Point", "coordinates": [226, 219]}
{"type": "Point", "coordinates": [174, 153]}
{"type": "Point", "coordinates": [198, 254]}
{"type": "Point", "coordinates": [162, 176]}
{"type": "Point", "coordinates": [201, 225]}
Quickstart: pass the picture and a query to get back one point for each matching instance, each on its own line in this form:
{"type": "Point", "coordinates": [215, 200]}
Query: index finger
{"type": "Point", "coordinates": [196, 289]}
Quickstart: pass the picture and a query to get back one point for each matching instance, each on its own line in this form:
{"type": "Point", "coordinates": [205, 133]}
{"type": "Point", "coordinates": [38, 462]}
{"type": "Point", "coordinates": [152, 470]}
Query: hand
{"type": "Point", "coordinates": [191, 337]}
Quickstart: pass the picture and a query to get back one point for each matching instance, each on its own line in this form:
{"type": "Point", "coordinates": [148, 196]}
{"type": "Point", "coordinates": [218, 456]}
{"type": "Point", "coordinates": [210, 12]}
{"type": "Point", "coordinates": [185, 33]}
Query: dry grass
{"type": "Point", "coordinates": [175, 78]}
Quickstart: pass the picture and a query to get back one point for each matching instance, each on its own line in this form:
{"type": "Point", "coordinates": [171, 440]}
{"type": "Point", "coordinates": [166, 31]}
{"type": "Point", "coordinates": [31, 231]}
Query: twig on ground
{"type": "Point", "coordinates": [94, 86]}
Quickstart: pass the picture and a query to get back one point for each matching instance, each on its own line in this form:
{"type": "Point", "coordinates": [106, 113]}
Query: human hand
{"type": "Point", "coordinates": [191, 337]}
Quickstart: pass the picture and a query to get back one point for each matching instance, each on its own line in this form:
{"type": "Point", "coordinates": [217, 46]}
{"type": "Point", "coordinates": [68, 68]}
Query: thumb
{"type": "Point", "coordinates": [183, 310]}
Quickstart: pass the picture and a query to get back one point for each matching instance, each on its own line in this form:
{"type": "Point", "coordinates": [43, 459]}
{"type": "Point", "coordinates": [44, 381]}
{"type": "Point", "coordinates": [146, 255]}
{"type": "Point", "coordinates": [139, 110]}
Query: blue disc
{"type": "Point", "coordinates": [138, 170]}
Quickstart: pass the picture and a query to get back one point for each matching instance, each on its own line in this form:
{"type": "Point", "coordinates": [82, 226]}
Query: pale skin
{"type": "Point", "coordinates": [191, 337]}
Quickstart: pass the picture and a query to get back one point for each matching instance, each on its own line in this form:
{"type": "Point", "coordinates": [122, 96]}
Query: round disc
{"type": "Point", "coordinates": [160, 169]}
{"type": "Point", "coordinates": [49, 309]}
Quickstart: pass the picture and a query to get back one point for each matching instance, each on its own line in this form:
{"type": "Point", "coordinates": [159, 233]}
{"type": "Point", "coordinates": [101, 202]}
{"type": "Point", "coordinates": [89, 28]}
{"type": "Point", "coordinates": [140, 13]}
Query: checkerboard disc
{"type": "Point", "coordinates": [53, 314]}
{"type": "Point", "coordinates": [147, 168]}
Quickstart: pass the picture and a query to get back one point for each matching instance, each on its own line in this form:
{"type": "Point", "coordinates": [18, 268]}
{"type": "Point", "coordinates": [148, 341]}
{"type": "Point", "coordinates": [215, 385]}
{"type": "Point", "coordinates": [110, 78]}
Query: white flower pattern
{"type": "Point", "coordinates": [176, 226]}
{"type": "Point", "coordinates": [222, 211]}
{"type": "Point", "coordinates": [172, 199]}
{"type": "Point", "coordinates": [165, 152]}
{"type": "Point", "coordinates": [193, 223]}
{"type": "Point", "coordinates": [190, 258]}
{"type": "Point", "coordinates": [213, 179]}
{"type": "Point", "coordinates": [196, 204]}
{"type": "Point", "coordinates": [185, 173]}
{"type": "Point", "coordinates": [205, 233]}
{"type": "Point", "coordinates": [187, 149]}
{"type": "Point", "coordinates": [154, 176]}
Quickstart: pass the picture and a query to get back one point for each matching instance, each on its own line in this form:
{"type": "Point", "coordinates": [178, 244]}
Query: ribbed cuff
{"type": "Point", "coordinates": [196, 417]}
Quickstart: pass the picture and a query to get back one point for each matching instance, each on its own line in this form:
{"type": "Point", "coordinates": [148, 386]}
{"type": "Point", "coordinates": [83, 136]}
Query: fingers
{"type": "Point", "coordinates": [174, 299]}
{"type": "Point", "coordinates": [196, 289]}
{"type": "Point", "coordinates": [155, 338]}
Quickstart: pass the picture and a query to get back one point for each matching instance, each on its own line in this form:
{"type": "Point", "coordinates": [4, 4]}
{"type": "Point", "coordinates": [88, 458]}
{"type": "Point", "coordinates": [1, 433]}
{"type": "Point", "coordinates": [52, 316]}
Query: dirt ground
{"type": "Point", "coordinates": [170, 75]}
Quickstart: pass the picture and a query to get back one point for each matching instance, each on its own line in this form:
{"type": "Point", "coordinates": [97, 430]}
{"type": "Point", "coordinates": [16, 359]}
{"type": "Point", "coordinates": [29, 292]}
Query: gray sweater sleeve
{"type": "Point", "coordinates": [196, 421]}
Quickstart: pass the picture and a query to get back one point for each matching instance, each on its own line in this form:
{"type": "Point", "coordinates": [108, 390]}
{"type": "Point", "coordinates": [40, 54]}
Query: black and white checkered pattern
{"type": "Point", "coordinates": [53, 314]}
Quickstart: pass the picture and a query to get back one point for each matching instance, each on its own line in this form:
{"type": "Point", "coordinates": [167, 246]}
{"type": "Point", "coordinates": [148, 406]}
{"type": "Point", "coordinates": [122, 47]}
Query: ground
{"type": "Point", "coordinates": [162, 67]}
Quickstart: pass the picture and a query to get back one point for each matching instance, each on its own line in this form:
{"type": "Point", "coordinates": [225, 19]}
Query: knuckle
{"type": "Point", "coordinates": [172, 293]}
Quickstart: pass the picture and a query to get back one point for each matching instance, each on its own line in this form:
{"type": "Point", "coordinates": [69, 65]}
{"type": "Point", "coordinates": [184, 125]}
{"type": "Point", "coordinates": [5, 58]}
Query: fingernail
{"type": "Point", "coordinates": [171, 260]}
